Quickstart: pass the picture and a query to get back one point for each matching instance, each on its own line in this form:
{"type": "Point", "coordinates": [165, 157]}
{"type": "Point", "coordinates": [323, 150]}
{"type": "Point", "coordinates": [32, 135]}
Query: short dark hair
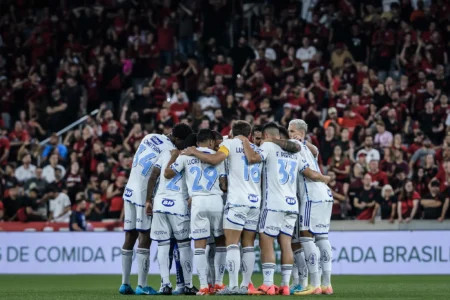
{"type": "Point", "coordinates": [241, 128]}
{"type": "Point", "coordinates": [191, 140]}
{"type": "Point", "coordinates": [181, 131]}
{"type": "Point", "coordinates": [205, 135]}
{"type": "Point", "coordinates": [269, 126]}
{"type": "Point", "coordinates": [257, 128]}
{"type": "Point", "coordinates": [217, 135]}
{"type": "Point", "coordinates": [283, 132]}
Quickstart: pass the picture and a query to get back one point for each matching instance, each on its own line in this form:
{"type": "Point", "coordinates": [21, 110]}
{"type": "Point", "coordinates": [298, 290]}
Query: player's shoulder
{"type": "Point", "coordinates": [157, 139]}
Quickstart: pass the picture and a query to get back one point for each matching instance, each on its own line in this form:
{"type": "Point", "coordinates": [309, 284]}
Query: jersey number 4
{"type": "Point", "coordinates": [209, 173]}
{"type": "Point", "coordinates": [286, 171]}
{"type": "Point", "coordinates": [145, 161]}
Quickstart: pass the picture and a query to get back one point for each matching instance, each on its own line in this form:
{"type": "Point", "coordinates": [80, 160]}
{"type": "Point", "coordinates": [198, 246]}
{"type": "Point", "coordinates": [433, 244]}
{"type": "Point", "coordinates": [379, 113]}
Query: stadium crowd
{"type": "Point", "coordinates": [369, 77]}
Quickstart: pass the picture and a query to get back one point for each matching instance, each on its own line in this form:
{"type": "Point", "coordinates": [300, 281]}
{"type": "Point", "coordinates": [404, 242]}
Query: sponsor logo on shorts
{"type": "Point", "coordinates": [128, 192]}
{"type": "Point", "coordinates": [180, 231]}
{"type": "Point", "coordinates": [312, 259]}
{"type": "Point", "coordinates": [159, 232]}
{"type": "Point", "coordinates": [200, 231]}
{"type": "Point", "coordinates": [251, 222]}
{"type": "Point", "coordinates": [289, 226]}
{"type": "Point", "coordinates": [322, 225]}
{"type": "Point", "coordinates": [138, 220]}
{"type": "Point", "coordinates": [253, 198]}
{"type": "Point", "coordinates": [240, 216]}
{"type": "Point", "coordinates": [168, 202]}
{"type": "Point", "coordinates": [188, 266]}
{"type": "Point", "coordinates": [291, 200]}
{"type": "Point", "coordinates": [127, 221]}
{"type": "Point", "coordinates": [270, 227]}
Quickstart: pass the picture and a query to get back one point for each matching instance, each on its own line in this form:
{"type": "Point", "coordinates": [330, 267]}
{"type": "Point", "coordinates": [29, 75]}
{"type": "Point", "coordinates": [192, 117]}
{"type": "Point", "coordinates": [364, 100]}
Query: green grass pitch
{"type": "Point", "coordinates": [105, 287]}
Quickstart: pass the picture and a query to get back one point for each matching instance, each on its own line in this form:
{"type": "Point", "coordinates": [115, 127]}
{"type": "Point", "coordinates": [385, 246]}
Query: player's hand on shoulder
{"type": "Point", "coordinates": [188, 151]}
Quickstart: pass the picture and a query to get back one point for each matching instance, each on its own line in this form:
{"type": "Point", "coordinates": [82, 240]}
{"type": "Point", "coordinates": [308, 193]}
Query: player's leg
{"type": "Point", "coordinates": [324, 246]}
{"type": "Point", "coordinates": [233, 223]}
{"type": "Point", "coordinates": [143, 225]}
{"type": "Point", "coordinates": [180, 226]}
{"type": "Point", "coordinates": [210, 256]}
{"type": "Point", "coordinates": [300, 273]}
{"type": "Point", "coordinates": [161, 233]}
{"type": "Point", "coordinates": [216, 222]}
{"type": "Point", "coordinates": [287, 256]}
{"type": "Point", "coordinates": [131, 236]}
{"type": "Point", "coordinates": [178, 269]}
{"type": "Point", "coordinates": [248, 251]}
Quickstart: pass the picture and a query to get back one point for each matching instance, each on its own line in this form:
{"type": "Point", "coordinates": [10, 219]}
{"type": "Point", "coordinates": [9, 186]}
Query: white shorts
{"type": "Point", "coordinates": [315, 217]}
{"type": "Point", "coordinates": [273, 223]}
{"type": "Point", "coordinates": [241, 218]}
{"type": "Point", "coordinates": [164, 226]}
{"type": "Point", "coordinates": [206, 217]}
{"type": "Point", "coordinates": [135, 217]}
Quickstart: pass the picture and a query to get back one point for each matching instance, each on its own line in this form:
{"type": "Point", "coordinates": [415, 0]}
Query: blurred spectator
{"type": "Point", "coordinates": [408, 203]}
{"type": "Point", "coordinates": [37, 182]}
{"type": "Point", "coordinates": [48, 172]}
{"type": "Point", "coordinates": [55, 147]}
{"type": "Point", "coordinates": [339, 197]}
{"type": "Point", "coordinates": [387, 203]}
{"type": "Point", "coordinates": [97, 209]}
{"type": "Point", "coordinates": [26, 171]}
{"type": "Point", "coordinates": [30, 208]}
{"type": "Point", "coordinates": [77, 218]}
{"type": "Point", "coordinates": [365, 201]}
{"type": "Point", "coordinates": [59, 206]}
{"type": "Point", "coordinates": [12, 203]}
{"type": "Point", "coordinates": [435, 204]}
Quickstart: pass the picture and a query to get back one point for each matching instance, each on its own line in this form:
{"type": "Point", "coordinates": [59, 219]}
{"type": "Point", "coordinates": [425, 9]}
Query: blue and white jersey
{"type": "Point", "coordinates": [172, 194]}
{"type": "Point", "coordinates": [152, 145]}
{"type": "Point", "coordinates": [280, 177]}
{"type": "Point", "coordinates": [244, 180]}
{"type": "Point", "coordinates": [309, 190]}
{"type": "Point", "coordinates": [202, 179]}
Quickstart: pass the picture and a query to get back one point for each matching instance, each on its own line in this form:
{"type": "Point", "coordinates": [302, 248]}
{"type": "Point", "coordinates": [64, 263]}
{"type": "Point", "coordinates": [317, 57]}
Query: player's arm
{"type": "Point", "coordinates": [212, 159]}
{"type": "Point", "coordinates": [223, 184]}
{"type": "Point", "coordinates": [252, 156]}
{"type": "Point", "coordinates": [286, 145]}
{"type": "Point", "coordinates": [174, 166]}
{"type": "Point", "coordinates": [316, 176]}
{"type": "Point", "coordinates": [313, 149]}
{"type": "Point", "coordinates": [152, 180]}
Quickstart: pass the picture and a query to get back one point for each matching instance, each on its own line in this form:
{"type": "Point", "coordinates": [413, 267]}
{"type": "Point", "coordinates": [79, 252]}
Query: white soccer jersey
{"type": "Point", "coordinates": [280, 177]}
{"type": "Point", "coordinates": [202, 179]}
{"type": "Point", "coordinates": [309, 190]}
{"type": "Point", "coordinates": [244, 180]}
{"type": "Point", "coordinates": [172, 194]}
{"type": "Point", "coordinates": [152, 145]}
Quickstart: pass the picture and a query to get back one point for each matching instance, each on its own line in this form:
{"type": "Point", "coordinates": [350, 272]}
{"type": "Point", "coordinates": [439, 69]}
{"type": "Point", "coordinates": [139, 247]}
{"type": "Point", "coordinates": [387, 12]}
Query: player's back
{"type": "Point", "coordinates": [280, 178]}
{"type": "Point", "coordinates": [309, 190]}
{"type": "Point", "coordinates": [172, 194]}
{"type": "Point", "coordinates": [203, 179]}
{"type": "Point", "coordinates": [151, 146]}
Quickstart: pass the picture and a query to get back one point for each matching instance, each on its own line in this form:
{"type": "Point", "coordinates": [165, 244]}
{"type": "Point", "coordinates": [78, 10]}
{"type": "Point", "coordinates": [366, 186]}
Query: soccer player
{"type": "Point", "coordinates": [280, 207]}
{"type": "Point", "coordinates": [316, 202]}
{"type": "Point", "coordinates": [257, 135]}
{"type": "Point", "coordinates": [206, 184]}
{"type": "Point", "coordinates": [170, 217]}
{"type": "Point", "coordinates": [137, 223]}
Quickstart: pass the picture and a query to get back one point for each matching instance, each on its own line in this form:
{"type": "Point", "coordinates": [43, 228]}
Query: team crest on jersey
{"type": "Point", "coordinates": [156, 140]}
{"type": "Point", "coordinates": [330, 193]}
{"type": "Point", "coordinates": [291, 200]}
{"type": "Point", "coordinates": [128, 192]}
{"type": "Point", "coordinates": [253, 198]}
{"type": "Point", "coordinates": [168, 202]}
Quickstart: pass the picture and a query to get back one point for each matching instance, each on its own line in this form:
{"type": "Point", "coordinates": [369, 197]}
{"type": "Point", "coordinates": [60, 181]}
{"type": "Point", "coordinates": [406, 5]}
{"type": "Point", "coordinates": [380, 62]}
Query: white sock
{"type": "Point", "coordinates": [163, 261]}
{"type": "Point", "coordinates": [295, 273]}
{"type": "Point", "coordinates": [210, 253]}
{"type": "Point", "coordinates": [220, 260]}
{"type": "Point", "coordinates": [248, 265]}
{"type": "Point", "coordinates": [325, 250]}
{"type": "Point", "coordinates": [200, 262]}
{"type": "Point", "coordinates": [320, 261]}
{"type": "Point", "coordinates": [299, 256]}
{"type": "Point", "coordinates": [127, 260]}
{"type": "Point", "coordinates": [312, 260]}
{"type": "Point", "coordinates": [186, 257]}
{"type": "Point", "coordinates": [268, 270]}
{"type": "Point", "coordinates": [233, 264]}
{"type": "Point", "coordinates": [143, 262]}
{"type": "Point", "coordinates": [286, 271]}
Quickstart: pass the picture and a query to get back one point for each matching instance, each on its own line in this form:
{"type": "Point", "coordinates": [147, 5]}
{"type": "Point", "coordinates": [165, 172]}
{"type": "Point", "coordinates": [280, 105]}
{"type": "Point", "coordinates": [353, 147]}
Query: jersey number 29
{"type": "Point", "coordinates": [209, 173]}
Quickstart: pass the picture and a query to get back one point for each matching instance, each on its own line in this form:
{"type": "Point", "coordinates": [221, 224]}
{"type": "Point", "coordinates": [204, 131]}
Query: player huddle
{"type": "Point", "coordinates": [221, 193]}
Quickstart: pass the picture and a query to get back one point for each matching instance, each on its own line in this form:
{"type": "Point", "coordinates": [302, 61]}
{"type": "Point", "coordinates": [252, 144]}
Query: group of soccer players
{"type": "Point", "coordinates": [221, 192]}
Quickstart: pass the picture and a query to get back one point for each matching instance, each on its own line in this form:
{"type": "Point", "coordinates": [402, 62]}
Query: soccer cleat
{"type": "Point", "coordinates": [203, 292]}
{"type": "Point", "coordinates": [327, 290]}
{"type": "Point", "coordinates": [277, 290]}
{"type": "Point", "coordinates": [166, 290]}
{"type": "Point", "coordinates": [190, 290]}
{"type": "Point", "coordinates": [264, 290]}
{"type": "Point", "coordinates": [126, 289]}
{"type": "Point", "coordinates": [295, 288]}
{"type": "Point", "coordinates": [211, 289]}
{"type": "Point", "coordinates": [243, 290]}
{"type": "Point", "coordinates": [284, 290]}
{"type": "Point", "coordinates": [251, 289]}
{"type": "Point", "coordinates": [218, 287]}
{"type": "Point", "coordinates": [228, 291]}
{"type": "Point", "coordinates": [310, 290]}
{"type": "Point", "coordinates": [148, 290]}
